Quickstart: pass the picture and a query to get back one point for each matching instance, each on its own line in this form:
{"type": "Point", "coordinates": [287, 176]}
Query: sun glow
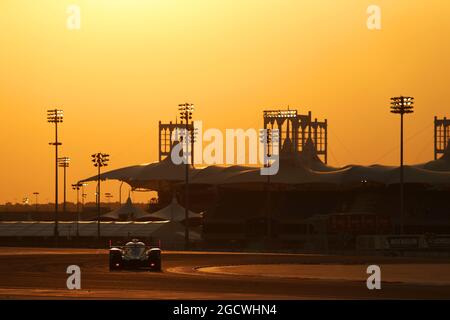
{"type": "Point", "coordinates": [132, 62]}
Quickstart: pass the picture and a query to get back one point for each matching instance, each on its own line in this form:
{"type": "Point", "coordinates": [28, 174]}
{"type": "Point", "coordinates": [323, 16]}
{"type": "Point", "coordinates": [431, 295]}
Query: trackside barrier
{"type": "Point", "coordinates": [403, 243]}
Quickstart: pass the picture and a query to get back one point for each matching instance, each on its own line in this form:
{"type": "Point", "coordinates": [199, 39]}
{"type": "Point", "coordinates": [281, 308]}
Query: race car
{"type": "Point", "coordinates": [134, 255]}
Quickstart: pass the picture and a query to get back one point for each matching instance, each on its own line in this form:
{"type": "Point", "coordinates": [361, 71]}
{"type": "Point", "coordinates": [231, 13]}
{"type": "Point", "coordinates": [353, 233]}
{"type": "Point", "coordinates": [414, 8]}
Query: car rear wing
{"type": "Point", "coordinates": [120, 245]}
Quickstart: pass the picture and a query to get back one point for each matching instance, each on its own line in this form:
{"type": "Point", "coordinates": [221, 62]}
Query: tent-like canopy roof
{"type": "Point", "coordinates": [308, 158]}
{"type": "Point", "coordinates": [126, 212]}
{"type": "Point", "coordinates": [388, 175]}
{"type": "Point", "coordinates": [295, 168]}
{"type": "Point", "coordinates": [441, 164]}
{"type": "Point", "coordinates": [173, 212]}
{"type": "Point", "coordinates": [213, 175]}
{"type": "Point", "coordinates": [155, 176]}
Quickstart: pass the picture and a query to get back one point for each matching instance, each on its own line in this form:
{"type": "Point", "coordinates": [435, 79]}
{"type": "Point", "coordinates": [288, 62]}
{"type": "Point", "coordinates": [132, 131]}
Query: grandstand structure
{"type": "Point", "coordinates": [309, 200]}
{"type": "Point", "coordinates": [69, 229]}
{"type": "Point", "coordinates": [341, 203]}
{"type": "Point", "coordinates": [170, 235]}
{"type": "Point", "coordinates": [441, 136]}
{"type": "Point", "coordinates": [166, 138]}
{"type": "Point", "coordinates": [308, 196]}
{"type": "Point", "coordinates": [300, 129]}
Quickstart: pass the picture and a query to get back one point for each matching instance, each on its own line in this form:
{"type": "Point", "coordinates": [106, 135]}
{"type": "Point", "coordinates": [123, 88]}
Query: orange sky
{"type": "Point", "coordinates": [133, 61]}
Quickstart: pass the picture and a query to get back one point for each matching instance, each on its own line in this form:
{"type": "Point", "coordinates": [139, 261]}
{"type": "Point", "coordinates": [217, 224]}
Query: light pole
{"type": "Point", "coordinates": [120, 193]}
{"type": "Point", "coordinates": [83, 196]}
{"type": "Point", "coordinates": [108, 196]}
{"type": "Point", "coordinates": [64, 163]}
{"type": "Point", "coordinates": [55, 116]}
{"type": "Point", "coordinates": [100, 160]}
{"type": "Point", "coordinates": [26, 202]}
{"type": "Point", "coordinates": [36, 203]}
{"type": "Point", "coordinates": [402, 105]}
{"type": "Point", "coordinates": [77, 186]}
{"type": "Point", "coordinates": [186, 110]}
{"type": "Point", "coordinates": [266, 139]}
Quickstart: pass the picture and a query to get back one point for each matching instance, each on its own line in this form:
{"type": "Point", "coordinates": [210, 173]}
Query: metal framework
{"type": "Point", "coordinates": [299, 128]}
{"type": "Point", "coordinates": [165, 138]}
{"type": "Point", "coordinates": [64, 163]}
{"type": "Point", "coordinates": [56, 116]}
{"type": "Point", "coordinates": [441, 136]}
{"type": "Point", "coordinates": [100, 160]}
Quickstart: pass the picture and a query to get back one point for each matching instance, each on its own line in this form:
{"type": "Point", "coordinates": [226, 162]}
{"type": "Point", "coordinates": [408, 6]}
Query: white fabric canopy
{"type": "Point", "coordinates": [296, 168]}
{"type": "Point", "coordinates": [126, 212]}
{"type": "Point", "coordinates": [173, 212]}
{"type": "Point", "coordinates": [151, 176]}
{"type": "Point", "coordinates": [441, 164]}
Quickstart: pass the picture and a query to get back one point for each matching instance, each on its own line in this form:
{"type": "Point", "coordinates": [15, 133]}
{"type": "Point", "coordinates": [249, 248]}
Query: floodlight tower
{"type": "Point", "coordinates": [120, 193]}
{"type": "Point", "coordinates": [402, 105]}
{"type": "Point", "coordinates": [36, 203]}
{"type": "Point", "coordinates": [26, 202]}
{"type": "Point", "coordinates": [266, 140]}
{"type": "Point", "coordinates": [83, 195]}
{"type": "Point", "coordinates": [78, 186]}
{"type": "Point", "coordinates": [55, 116]}
{"type": "Point", "coordinates": [186, 110]}
{"type": "Point", "coordinates": [64, 163]}
{"type": "Point", "coordinates": [100, 160]}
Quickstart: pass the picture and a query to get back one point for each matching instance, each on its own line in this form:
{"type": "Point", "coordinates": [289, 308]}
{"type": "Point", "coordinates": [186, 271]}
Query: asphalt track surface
{"type": "Point", "coordinates": [27, 273]}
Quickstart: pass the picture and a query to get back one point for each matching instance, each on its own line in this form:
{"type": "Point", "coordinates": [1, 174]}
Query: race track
{"type": "Point", "coordinates": [41, 274]}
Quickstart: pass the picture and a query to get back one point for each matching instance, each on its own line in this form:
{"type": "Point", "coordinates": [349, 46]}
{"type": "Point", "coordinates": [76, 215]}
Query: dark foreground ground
{"type": "Point", "coordinates": [41, 273]}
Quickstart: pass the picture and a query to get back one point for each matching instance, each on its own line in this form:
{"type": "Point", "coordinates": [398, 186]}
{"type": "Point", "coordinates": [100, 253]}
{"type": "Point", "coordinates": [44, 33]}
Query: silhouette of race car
{"type": "Point", "coordinates": [134, 255]}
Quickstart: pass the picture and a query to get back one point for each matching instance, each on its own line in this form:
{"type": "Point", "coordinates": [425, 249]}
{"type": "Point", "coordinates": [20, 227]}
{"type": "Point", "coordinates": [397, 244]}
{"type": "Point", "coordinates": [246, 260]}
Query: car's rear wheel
{"type": "Point", "coordinates": [157, 266]}
{"type": "Point", "coordinates": [115, 261]}
{"type": "Point", "coordinates": [155, 260]}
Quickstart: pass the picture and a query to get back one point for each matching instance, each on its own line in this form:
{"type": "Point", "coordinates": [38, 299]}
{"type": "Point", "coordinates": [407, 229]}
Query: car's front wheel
{"type": "Point", "coordinates": [155, 259]}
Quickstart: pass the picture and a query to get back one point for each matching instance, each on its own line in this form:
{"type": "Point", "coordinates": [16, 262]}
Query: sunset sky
{"type": "Point", "coordinates": [133, 61]}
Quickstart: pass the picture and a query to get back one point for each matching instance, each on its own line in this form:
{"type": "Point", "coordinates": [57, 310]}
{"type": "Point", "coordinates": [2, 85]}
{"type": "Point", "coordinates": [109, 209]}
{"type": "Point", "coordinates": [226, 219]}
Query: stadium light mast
{"type": "Point", "coordinates": [402, 105]}
{"type": "Point", "coordinates": [186, 110]}
{"type": "Point", "coordinates": [64, 163]}
{"type": "Point", "coordinates": [100, 160]}
{"type": "Point", "coordinates": [26, 202]}
{"type": "Point", "coordinates": [266, 140]}
{"type": "Point", "coordinates": [36, 200]}
{"type": "Point", "coordinates": [120, 193]}
{"type": "Point", "coordinates": [83, 195]}
{"type": "Point", "coordinates": [78, 186]}
{"type": "Point", "coordinates": [55, 116]}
